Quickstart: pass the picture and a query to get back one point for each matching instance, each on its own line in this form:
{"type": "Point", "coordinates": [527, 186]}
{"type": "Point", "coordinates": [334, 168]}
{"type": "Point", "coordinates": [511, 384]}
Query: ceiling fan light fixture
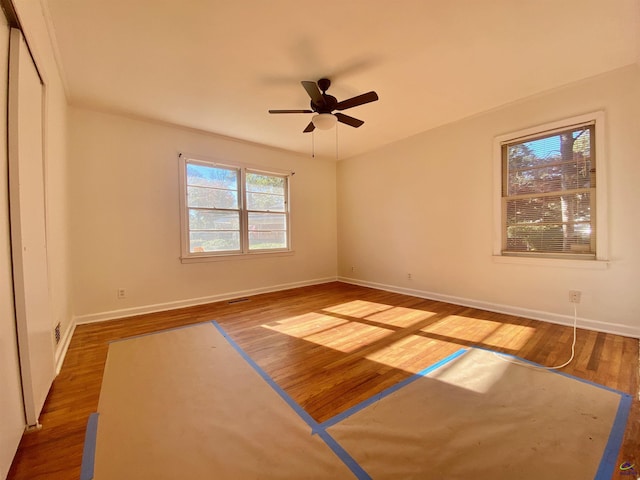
{"type": "Point", "coordinates": [324, 121]}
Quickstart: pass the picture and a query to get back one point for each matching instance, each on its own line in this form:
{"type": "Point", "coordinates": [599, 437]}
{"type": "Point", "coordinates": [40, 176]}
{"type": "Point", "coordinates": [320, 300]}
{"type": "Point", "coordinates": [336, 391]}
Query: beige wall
{"type": "Point", "coordinates": [126, 222]}
{"type": "Point", "coordinates": [424, 206]}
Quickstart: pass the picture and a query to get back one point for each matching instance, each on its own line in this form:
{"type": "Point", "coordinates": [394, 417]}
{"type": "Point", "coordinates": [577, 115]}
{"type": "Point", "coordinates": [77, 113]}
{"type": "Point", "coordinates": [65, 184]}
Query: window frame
{"type": "Point", "coordinates": [599, 216]}
{"type": "Point", "coordinates": [244, 251]}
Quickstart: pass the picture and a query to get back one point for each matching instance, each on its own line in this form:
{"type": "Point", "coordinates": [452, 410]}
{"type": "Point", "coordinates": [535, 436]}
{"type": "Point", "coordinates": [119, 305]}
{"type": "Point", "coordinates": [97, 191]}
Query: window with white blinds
{"type": "Point", "coordinates": [549, 193]}
{"type": "Point", "coordinates": [232, 210]}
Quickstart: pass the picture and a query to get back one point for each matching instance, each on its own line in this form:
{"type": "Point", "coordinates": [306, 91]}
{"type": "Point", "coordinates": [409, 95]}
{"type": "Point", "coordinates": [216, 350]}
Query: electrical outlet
{"type": "Point", "coordinates": [408, 276]}
{"type": "Point", "coordinates": [353, 269]}
{"type": "Point", "coordinates": [574, 296]}
{"type": "Point", "coordinates": [122, 293]}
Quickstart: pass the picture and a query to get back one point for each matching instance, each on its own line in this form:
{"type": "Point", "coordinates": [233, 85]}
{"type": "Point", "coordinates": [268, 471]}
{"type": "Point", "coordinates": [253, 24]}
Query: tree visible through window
{"type": "Point", "coordinates": [548, 193]}
{"type": "Point", "coordinates": [232, 210]}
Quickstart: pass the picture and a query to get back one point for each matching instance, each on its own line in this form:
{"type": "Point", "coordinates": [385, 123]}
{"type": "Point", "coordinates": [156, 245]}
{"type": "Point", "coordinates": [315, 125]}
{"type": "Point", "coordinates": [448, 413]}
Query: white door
{"type": "Point", "coordinates": [28, 228]}
{"type": "Point", "coordinates": [12, 419]}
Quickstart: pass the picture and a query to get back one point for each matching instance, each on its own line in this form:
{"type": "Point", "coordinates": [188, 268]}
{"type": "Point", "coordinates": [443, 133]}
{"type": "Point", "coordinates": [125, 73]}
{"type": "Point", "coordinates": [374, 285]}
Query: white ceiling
{"type": "Point", "coordinates": [219, 65]}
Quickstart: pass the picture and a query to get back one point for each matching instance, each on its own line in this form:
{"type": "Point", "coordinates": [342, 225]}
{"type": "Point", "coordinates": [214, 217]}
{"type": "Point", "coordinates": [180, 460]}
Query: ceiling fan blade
{"type": "Point", "coordinates": [310, 128]}
{"type": "Point", "coordinates": [290, 111]}
{"type": "Point", "coordinates": [354, 122]}
{"type": "Point", "coordinates": [314, 92]}
{"type": "Point", "coordinates": [359, 100]}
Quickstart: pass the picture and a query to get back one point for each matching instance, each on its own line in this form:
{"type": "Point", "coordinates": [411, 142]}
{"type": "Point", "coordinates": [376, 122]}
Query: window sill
{"type": "Point", "coordinates": [552, 262]}
{"type": "Point", "coordinates": [235, 256]}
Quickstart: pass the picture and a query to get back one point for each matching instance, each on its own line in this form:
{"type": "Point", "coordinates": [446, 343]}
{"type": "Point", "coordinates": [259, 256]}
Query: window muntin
{"type": "Point", "coordinates": [231, 210]}
{"type": "Point", "coordinates": [548, 194]}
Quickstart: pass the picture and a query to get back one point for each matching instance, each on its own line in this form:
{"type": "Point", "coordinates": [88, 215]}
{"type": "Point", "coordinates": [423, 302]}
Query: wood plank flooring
{"type": "Point", "coordinates": [329, 346]}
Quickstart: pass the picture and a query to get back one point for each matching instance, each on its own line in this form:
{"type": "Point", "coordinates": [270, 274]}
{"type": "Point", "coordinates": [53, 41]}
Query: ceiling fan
{"type": "Point", "coordinates": [324, 105]}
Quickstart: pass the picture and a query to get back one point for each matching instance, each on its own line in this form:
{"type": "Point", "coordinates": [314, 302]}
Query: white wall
{"type": "Point", "coordinates": [424, 206]}
{"type": "Point", "coordinates": [126, 223]}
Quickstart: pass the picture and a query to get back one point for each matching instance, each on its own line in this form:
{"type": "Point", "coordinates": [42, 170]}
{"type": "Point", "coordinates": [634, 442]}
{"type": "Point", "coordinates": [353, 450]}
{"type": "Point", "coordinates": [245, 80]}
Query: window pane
{"type": "Point", "coordinates": [553, 224]}
{"type": "Point", "coordinates": [550, 179]}
{"type": "Point", "coordinates": [554, 163]}
{"type": "Point", "coordinates": [265, 192]}
{"type": "Point", "coordinates": [214, 241]}
{"type": "Point", "coordinates": [213, 220]}
{"type": "Point", "coordinates": [212, 198]}
{"type": "Point", "coordinates": [267, 221]}
{"type": "Point", "coordinates": [267, 230]}
{"type": "Point", "coordinates": [265, 202]}
{"type": "Point", "coordinates": [553, 208]}
{"type": "Point", "coordinates": [265, 184]}
{"type": "Point", "coordinates": [205, 176]}
{"type": "Point", "coordinates": [549, 238]}
{"type": "Point", "coordinates": [267, 240]}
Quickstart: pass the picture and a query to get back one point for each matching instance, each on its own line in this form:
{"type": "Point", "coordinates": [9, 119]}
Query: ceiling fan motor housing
{"type": "Point", "coordinates": [329, 106]}
{"type": "Point", "coordinates": [330, 101]}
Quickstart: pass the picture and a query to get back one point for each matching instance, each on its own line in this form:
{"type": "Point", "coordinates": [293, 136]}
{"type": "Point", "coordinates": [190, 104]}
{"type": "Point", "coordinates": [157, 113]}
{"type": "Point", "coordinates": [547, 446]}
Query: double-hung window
{"type": "Point", "coordinates": [548, 200]}
{"type": "Point", "coordinates": [232, 210]}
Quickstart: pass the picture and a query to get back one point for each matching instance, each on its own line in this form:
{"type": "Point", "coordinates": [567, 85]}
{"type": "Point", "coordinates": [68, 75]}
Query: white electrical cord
{"type": "Point", "coordinates": [542, 367]}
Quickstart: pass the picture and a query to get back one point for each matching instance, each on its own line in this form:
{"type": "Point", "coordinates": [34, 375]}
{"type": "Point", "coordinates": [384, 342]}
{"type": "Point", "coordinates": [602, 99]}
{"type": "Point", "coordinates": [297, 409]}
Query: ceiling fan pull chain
{"type": "Point", "coordinates": [313, 145]}
{"type": "Point", "coordinates": [337, 142]}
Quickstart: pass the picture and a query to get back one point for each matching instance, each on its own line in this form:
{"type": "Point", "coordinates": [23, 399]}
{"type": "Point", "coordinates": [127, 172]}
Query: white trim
{"type": "Point", "coordinates": [236, 256]}
{"type": "Point", "coordinates": [552, 262]}
{"type": "Point", "coordinates": [191, 302]}
{"type": "Point", "coordinates": [63, 346]}
{"type": "Point", "coordinates": [588, 324]}
{"type": "Point", "coordinates": [55, 46]}
{"type": "Point", "coordinates": [601, 218]}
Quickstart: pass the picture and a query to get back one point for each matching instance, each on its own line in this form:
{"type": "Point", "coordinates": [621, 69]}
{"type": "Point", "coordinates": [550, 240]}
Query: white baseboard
{"type": "Point", "coordinates": [63, 346]}
{"type": "Point", "coordinates": [605, 327]}
{"type": "Point", "coordinates": [615, 328]}
{"type": "Point", "coordinates": [160, 307]}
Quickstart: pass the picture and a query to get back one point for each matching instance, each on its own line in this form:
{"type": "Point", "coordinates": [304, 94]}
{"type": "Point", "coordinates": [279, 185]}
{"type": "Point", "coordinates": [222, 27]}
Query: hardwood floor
{"type": "Point", "coordinates": [329, 346]}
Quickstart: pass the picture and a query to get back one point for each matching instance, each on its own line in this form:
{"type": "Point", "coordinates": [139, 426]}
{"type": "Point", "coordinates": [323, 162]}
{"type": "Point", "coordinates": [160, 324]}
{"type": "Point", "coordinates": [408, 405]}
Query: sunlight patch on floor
{"type": "Point", "coordinates": [330, 331]}
{"type": "Point", "coordinates": [305, 325]}
{"type": "Point", "coordinates": [466, 371]}
{"type": "Point", "coordinates": [403, 353]}
{"type": "Point", "coordinates": [360, 324]}
{"type": "Point", "coordinates": [481, 332]}
{"type": "Point", "coordinates": [358, 308]}
{"type": "Point", "coordinates": [400, 316]}
{"type": "Point", "coordinates": [349, 337]}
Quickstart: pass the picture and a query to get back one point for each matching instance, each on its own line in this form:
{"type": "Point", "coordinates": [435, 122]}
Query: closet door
{"type": "Point", "coordinates": [28, 228]}
{"type": "Point", "coordinates": [11, 406]}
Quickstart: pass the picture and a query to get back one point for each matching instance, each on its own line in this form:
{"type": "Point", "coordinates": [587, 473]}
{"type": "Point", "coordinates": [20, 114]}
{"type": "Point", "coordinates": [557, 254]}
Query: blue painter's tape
{"type": "Point", "coordinates": [340, 452]}
{"type": "Point", "coordinates": [89, 450]}
{"type": "Point", "coordinates": [347, 459]}
{"type": "Point", "coordinates": [385, 393]}
{"type": "Point", "coordinates": [265, 376]}
{"type": "Point", "coordinates": [610, 455]}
